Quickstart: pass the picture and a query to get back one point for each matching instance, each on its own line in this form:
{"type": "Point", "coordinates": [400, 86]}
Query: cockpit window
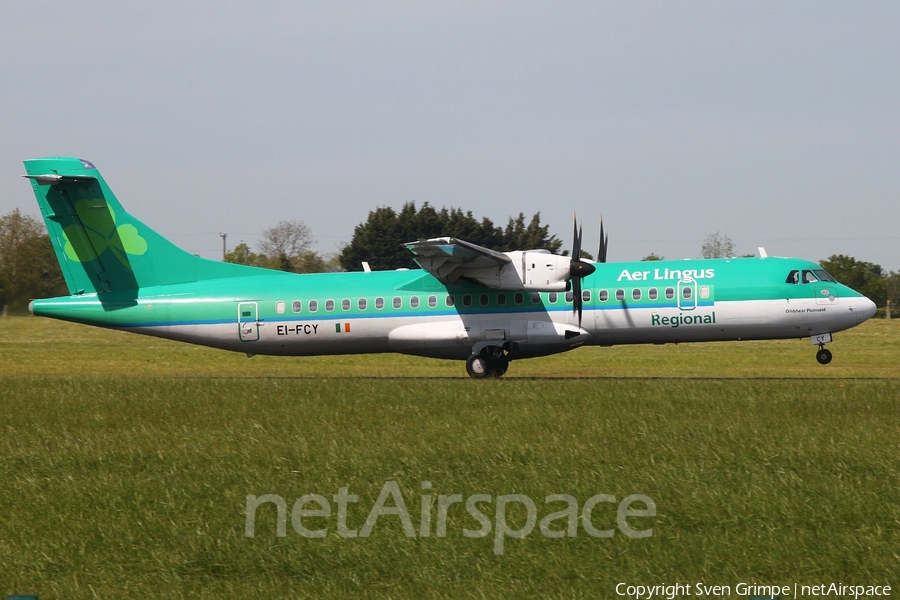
{"type": "Point", "coordinates": [823, 275]}
{"type": "Point", "coordinates": [809, 276]}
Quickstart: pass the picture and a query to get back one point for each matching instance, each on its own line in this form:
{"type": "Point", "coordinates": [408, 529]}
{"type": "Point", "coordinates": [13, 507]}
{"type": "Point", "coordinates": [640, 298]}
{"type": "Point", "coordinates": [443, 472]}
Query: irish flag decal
{"type": "Point", "coordinates": [337, 328]}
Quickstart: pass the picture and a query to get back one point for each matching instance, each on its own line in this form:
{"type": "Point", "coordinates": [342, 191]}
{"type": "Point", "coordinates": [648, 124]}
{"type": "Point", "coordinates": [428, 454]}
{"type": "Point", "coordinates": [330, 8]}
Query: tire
{"type": "Point", "coordinates": [477, 366]}
{"type": "Point", "coordinates": [501, 365]}
{"type": "Point", "coordinates": [823, 356]}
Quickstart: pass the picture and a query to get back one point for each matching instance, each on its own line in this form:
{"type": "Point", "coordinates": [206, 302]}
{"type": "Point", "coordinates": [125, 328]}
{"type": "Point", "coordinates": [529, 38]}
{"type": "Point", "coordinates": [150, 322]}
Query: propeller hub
{"type": "Point", "coordinates": [579, 268]}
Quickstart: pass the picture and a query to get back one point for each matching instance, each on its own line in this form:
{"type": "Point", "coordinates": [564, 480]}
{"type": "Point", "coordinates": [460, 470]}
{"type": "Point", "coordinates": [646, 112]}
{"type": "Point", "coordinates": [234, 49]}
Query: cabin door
{"type": "Point", "coordinates": [248, 321]}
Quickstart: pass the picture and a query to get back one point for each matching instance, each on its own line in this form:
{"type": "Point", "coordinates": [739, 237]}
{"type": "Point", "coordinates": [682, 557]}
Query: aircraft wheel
{"type": "Point", "coordinates": [477, 366]}
{"type": "Point", "coordinates": [500, 366]}
{"type": "Point", "coordinates": [823, 356]}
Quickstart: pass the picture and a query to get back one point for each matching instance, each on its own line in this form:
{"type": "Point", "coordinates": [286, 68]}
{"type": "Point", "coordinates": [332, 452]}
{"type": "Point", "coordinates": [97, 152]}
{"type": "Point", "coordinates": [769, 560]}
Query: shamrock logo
{"type": "Point", "coordinates": [98, 232]}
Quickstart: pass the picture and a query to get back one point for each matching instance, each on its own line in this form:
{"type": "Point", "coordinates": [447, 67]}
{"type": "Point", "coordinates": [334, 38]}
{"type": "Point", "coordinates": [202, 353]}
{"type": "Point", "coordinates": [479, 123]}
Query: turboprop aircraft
{"type": "Point", "coordinates": [467, 302]}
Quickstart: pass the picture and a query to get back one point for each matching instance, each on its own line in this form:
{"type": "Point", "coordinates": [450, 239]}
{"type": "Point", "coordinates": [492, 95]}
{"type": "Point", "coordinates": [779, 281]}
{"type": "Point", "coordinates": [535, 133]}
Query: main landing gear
{"type": "Point", "coordinates": [490, 362]}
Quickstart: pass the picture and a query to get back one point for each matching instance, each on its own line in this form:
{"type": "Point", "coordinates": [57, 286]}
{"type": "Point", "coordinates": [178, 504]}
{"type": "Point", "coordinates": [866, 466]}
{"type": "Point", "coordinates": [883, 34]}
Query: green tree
{"type": "Point", "coordinates": [864, 277]}
{"type": "Point", "coordinates": [652, 256]}
{"type": "Point", "coordinates": [28, 265]}
{"type": "Point", "coordinates": [379, 241]}
{"type": "Point", "coordinates": [892, 289]}
{"type": "Point", "coordinates": [284, 247]}
{"type": "Point", "coordinates": [717, 245]}
{"type": "Point", "coordinates": [517, 236]}
{"type": "Point", "coordinates": [242, 255]}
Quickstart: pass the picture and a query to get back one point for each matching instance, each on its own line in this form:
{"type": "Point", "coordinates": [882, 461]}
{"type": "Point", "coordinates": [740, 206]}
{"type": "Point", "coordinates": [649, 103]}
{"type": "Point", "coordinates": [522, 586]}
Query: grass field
{"type": "Point", "coordinates": [127, 461]}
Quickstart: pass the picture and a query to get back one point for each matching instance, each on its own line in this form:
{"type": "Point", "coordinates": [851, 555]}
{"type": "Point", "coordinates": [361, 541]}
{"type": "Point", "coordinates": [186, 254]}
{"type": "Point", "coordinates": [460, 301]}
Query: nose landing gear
{"type": "Point", "coordinates": [822, 355]}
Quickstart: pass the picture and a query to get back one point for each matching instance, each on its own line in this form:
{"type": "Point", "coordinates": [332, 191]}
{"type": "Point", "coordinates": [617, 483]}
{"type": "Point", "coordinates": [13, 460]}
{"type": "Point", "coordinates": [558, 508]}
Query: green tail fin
{"type": "Point", "coordinates": [100, 247]}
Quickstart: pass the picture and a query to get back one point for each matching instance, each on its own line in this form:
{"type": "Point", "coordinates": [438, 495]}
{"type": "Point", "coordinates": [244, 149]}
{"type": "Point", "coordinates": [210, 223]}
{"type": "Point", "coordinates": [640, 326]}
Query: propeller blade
{"type": "Point", "coordinates": [576, 240]}
{"type": "Point", "coordinates": [577, 270]}
{"type": "Point", "coordinates": [604, 243]}
{"type": "Point", "coordinates": [577, 303]}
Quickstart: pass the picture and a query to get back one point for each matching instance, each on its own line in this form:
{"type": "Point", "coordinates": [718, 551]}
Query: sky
{"type": "Point", "coordinates": [776, 124]}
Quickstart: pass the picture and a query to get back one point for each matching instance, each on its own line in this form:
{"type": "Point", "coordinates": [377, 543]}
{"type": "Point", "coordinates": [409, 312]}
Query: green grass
{"type": "Point", "coordinates": [32, 346]}
{"type": "Point", "coordinates": [126, 463]}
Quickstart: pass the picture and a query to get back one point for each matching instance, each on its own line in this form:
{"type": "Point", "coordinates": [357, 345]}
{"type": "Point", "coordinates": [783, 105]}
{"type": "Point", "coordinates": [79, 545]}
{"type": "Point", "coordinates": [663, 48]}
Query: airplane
{"type": "Point", "coordinates": [466, 302]}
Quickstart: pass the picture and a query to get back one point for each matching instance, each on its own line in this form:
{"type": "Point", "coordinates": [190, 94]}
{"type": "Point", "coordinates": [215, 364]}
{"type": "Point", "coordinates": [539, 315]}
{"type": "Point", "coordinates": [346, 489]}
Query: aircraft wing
{"type": "Point", "coordinates": [450, 259]}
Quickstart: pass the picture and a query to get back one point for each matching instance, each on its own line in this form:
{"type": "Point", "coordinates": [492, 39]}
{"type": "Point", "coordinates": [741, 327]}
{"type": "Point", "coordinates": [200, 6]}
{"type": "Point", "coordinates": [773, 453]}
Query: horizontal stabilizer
{"type": "Point", "coordinates": [54, 179]}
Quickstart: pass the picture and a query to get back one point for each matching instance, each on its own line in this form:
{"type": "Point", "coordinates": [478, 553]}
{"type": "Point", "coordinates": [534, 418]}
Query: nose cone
{"type": "Point", "coordinates": [865, 309]}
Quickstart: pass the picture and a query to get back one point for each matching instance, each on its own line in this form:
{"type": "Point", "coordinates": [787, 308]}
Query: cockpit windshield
{"type": "Point", "coordinates": [823, 275]}
{"type": "Point", "coordinates": [809, 276]}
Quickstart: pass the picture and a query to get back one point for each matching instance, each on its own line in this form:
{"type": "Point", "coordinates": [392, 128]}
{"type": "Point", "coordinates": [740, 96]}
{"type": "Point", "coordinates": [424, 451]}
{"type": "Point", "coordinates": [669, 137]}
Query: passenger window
{"type": "Point", "coordinates": [329, 305]}
{"type": "Point", "coordinates": [652, 293]}
{"type": "Point", "coordinates": [501, 299]}
{"type": "Point", "coordinates": [313, 305]}
{"type": "Point", "coordinates": [345, 304]}
{"type": "Point", "coordinates": [467, 300]}
{"type": "Point", "coordinates": [432, 301]}
{"type": "Point", "coordinates": [535, 297]}
{"type": "Point", "coordinates": [379, 303]}
{"type": "Point", "coordinates": [297, 306]}
{"type": "Point", "coordinates": [361, 303]}
{"type": "Point", "coordinates": [397, 302]}
{"type": "Point", "coordinates": [670, 293]}
{"type": "Point", "coordinates": [450, 300]}
{"type": "Point", "coordinates": [570, 296]}
{"type": "Point", "coordinates": [603, 295]}
{"type": "Point", "coordinates": [586, 296]}
{"type": "Point", "coordinates": [636, 294]}
{"type": "Point", "coordinates": [279, 307]}
{"type": "Point", "coordinates": [552, 297]}
{"type": "Point", "coordinates": [793, 277]}
{"type": "Point", "coordinates": [704, 291]}
{"type": "Point", "coordinates": [414, 302]}
{"type": "Point", "coordinates": [483, 299]}
{"type": "Point", "coordinates": [620, 295]}
{"type": "Point", "coordinates": [519, 298]}
{"type": "Point", "coordinates": [686, 292]}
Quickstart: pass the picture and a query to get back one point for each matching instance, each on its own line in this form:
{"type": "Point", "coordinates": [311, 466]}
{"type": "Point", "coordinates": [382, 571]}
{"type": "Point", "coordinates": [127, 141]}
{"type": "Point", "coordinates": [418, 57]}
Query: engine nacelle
{"type": "Point", "coordinates": [533, 270]}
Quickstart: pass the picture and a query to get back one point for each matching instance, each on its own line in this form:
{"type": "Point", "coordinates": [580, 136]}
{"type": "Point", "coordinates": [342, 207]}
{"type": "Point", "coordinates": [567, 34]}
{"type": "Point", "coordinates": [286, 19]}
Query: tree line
{"type": "Point", "coordinates": [379, 241]}
{"type": "Point", "coordinates": [284, 247]}
{"type": "Point", "coordinates": [28, 265]}
{"type": "Point", "coordinates": [29, 269]}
